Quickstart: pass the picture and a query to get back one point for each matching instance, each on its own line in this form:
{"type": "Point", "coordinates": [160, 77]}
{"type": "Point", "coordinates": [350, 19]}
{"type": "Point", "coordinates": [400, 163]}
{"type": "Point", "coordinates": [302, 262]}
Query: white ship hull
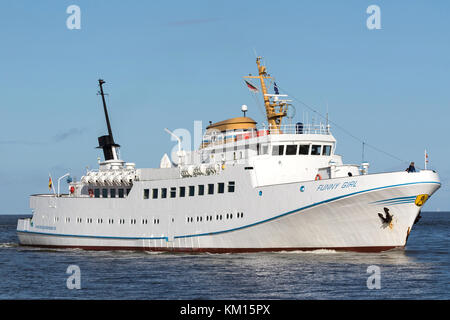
{"type": "Point", "coordinates": [338, 214]}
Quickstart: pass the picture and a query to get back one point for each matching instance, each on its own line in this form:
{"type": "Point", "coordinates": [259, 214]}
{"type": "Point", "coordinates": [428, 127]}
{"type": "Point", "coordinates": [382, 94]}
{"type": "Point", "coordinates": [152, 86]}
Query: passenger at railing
{"type": "Point", "coordinates": [411, 168]}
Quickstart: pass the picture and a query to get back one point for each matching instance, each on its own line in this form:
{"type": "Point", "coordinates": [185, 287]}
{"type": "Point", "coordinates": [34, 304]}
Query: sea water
{"type": "Point", "coordinates": [420, 271]}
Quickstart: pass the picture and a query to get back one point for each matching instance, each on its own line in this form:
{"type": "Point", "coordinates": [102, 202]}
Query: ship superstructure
{"type": "Point", "coordinates": [248, 187]}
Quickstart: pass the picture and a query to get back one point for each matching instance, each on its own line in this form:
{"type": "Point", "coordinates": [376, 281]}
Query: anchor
{"type": "Point", "coordinates": [388, 218]}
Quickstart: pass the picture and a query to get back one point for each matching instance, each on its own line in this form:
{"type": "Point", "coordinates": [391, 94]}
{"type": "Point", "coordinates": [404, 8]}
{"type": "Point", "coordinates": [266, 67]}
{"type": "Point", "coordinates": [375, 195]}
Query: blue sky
{"type": "Point", "coordinates": [168, 63]}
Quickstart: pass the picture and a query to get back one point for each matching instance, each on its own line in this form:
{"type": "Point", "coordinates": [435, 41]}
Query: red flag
{"type": "Point", "coordinates": [251, 87]}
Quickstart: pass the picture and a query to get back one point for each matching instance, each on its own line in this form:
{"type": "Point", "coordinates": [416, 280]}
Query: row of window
{"type": "Point", "coordinates": [278, 150]}
{"type": "Point", "coordinates": [218, 217]}
{"type": "Point", "coordinates": [190, 191]}
{"type": "Point", "coordinates": [155, 220]}
{"type": "Point", "coordinates": [110, 221]}
{"type": "Point", "coordinates": [302, 149]}
{"type": "Point", "coordinates": [109, 193]}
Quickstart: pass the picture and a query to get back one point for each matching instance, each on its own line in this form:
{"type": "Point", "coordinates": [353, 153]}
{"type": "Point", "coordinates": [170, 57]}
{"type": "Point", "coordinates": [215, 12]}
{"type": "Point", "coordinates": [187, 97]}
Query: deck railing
{"type": "Point", "coordinates": [215, 138]}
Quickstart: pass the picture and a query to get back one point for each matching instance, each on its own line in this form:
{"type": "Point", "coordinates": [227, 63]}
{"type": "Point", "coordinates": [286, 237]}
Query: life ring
{"type": "Point", "coordinates": [318, 177]}
{"type": "Point", "coordinates": [91, 193]}
{"type": "Point", "coordinates": [72, 189]}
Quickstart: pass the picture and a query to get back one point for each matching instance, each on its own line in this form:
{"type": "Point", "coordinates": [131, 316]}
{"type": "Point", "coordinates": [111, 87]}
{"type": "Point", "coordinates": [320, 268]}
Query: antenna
{"type": "Point", "coordinates": [363, 145]}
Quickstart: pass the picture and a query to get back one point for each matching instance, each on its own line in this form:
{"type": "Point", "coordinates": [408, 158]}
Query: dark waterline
{"type": "Point", "coordinates": [420, 271]}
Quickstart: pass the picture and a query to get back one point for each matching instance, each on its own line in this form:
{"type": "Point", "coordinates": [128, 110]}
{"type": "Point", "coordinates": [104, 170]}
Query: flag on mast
{"type": "Point", "coordinates": [275, 88]}
{"type": "Point", "coordinates": [426, 159]}
{"type": "Point", "coordinates": [50, 183]}
{"type": "Point", "coordinates": [251, 87]}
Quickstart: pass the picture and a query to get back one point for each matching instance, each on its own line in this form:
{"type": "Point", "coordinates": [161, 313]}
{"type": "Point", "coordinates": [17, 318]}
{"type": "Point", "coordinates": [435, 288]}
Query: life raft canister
{"type": "Point", "coordinates": [72, 189]}
{"type": "Point", "coordinates": [318, 177]}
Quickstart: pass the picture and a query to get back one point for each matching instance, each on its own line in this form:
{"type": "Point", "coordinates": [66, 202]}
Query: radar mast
{"type": "Point", "coordinates": [276, 109]}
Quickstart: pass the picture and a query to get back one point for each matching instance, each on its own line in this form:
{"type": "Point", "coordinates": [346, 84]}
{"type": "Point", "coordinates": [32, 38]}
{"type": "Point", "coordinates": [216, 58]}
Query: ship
{"type": "Point", "coordinates": [278, 186]}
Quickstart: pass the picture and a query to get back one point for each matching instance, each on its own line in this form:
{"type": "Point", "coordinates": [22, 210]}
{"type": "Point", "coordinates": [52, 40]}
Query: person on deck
{"type": "Point", "coordinates": [411, 168]}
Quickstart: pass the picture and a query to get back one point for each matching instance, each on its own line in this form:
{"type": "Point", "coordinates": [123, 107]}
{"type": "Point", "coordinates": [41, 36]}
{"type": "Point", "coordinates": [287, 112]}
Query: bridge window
{"type": "Point", "coordinates": [291, 150]}
{"type": "Point", "coordinates": [326, 150]}
{"type": "Point", "coordinates": [164, 193]}
{"type": "Point", "coordinates": [191, 191]}
{"type": "Point", "coordinates": [278, 150]}
{"type": "Point", "coordinates": [221, 187]}
{"type": "Point", "coordinates": [173, 192]}
{"type": "Point", "coordinates": [182, 191]}
{"type": "Point", "coordinates": [97, 193]}
{"type": "Point", "coordinates": [315, 150]}
{"type": "Point", "coordinates": [154, 193]}
{"type": "Point", "coordinates": [304, 149]}
{"type": "Point", "coordinates": [121, 193]}
{"type": "Point", "coordinates": [211, 188]}
{"type": "Point", "coordinates": [104, 193]}
{"type": "Point", "coordinates": [146, 193]}
{"type": "Point", "coordinates": [112, 193]}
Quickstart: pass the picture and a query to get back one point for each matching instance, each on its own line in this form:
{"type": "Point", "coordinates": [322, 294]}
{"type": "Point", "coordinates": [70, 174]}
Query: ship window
{"type": "Point", "coordinates": [191, 191]}
{"type": "Point", "coordinates": [201, 189]}
{"type": "Point", "coordinates": [265, 149]}
{"type": "Point", "coordinates": [291, 149]}
{"type": "Point", "coordinates": [128, 191]}
{"type": "Point", "coordinates": [210, 188]}
{"type": "Point", "coordinates": [97, 193]}
{"type": "Point", "coordinates": [315, 150]}
{"type": "Point", "coordinates": [326, 150]}
{"type": "Point", "coordinates": [154, 193]}
{"type": "Point", "coordinates": [182, 191]}
{"type": "Point", "coordinates": [121, 193]}
{"type": "Point", "coordinates": [221, 187]}
{"type": "Point", "coordinates": [230, 186]}
{"type": "Point", "coordinates": [164, 193]}
{"type": "Point", "coordinates": [146, 193]}
{"type": "Point", "coordinates": [173, 192]}
{"type": "Point", "coordinates": [104, 193]}
{"type": "Point", "coordinates": [304, 149]}
{"type": "Point", "coordinates": [112, 193]}
{"type": "Point", "coordinates": [278, 150]}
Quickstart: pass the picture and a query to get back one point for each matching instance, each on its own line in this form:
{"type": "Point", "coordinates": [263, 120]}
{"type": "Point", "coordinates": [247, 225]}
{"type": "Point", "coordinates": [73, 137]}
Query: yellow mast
{"type": "Point", "coordinates": [273, 115]}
